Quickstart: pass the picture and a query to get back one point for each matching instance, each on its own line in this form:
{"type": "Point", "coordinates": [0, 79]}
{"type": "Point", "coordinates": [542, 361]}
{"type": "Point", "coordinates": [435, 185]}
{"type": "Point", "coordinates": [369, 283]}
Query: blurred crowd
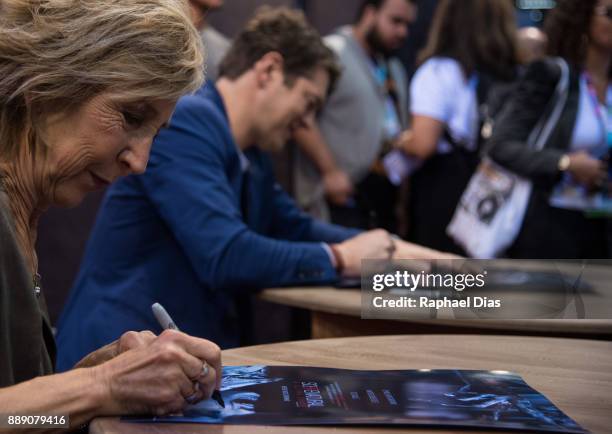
{"type": "Point", "coordinates": [396, 149]}
{"type": "Point", "coordinates": [400, 156]}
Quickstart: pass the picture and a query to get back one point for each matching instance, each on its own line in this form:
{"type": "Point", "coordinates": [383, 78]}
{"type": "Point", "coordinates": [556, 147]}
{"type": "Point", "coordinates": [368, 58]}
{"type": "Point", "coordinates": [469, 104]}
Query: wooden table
{"type": "Point", "coordinates": [337, 313]}
{"type": "Point", "coordinates": [575, 374]}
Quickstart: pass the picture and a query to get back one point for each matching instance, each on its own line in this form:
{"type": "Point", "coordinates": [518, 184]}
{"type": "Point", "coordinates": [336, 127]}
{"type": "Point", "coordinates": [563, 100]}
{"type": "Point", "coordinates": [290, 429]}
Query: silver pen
{"type": "Point", "coordinates": [166, 322]}
{"type": "Point", "coordinates": [163, 318]}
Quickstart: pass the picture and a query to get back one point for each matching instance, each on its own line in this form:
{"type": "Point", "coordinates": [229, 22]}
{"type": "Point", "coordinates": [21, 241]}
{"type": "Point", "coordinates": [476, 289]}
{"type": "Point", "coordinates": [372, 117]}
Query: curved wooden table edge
{"type": "Point", "coordinates": [579, 326]}
{"type": "Point", "coordinates": [498, 339]}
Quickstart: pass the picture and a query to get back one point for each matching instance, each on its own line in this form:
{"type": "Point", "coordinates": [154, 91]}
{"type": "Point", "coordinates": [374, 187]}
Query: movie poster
{"type": "Point", "coordinates": [294, 395]}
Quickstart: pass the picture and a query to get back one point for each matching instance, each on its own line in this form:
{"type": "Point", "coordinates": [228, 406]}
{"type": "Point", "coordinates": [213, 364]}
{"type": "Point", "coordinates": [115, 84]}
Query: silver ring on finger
{"type": "Point", "coordinates": [193, 398]}
{"type": "Point", "coordinates": [205, 370]}
{"type": "Point", "coordinates": [203, 373]}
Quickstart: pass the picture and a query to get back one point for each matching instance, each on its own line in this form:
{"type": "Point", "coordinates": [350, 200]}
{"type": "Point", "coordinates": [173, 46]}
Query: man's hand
{"type": "Point", "coordinates": [376, 244]}
{"type": "Point", "coordinates": [338, 186]}
{"type": "Point", "coordinates": [423, 258]}
{"type": "Point", "coordinates": [407, 250]}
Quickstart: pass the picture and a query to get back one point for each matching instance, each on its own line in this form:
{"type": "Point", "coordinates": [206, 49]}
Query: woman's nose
{"type": "Point", "coordinates": [135, 158]}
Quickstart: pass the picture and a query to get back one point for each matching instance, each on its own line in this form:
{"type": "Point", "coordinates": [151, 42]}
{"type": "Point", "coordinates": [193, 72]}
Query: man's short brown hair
{"type": "Point", "coordinates": [287, 32]}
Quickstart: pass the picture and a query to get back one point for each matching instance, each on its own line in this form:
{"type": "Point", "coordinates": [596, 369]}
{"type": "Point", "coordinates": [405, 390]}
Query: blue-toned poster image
{"type": "Point", "coordinates": [295, 395]}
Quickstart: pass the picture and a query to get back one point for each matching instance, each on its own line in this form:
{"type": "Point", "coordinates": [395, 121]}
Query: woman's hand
{"type": "Point", "coordinates": [404, 141]}
{"type": "Point", "coordinates": [158, 377]}
{"type": "Point", "coordinates": [587, 170]}
{"type": "Point", "coordinates": [153, 378]}
{"type": "Point", "coordinates": [128, 341]}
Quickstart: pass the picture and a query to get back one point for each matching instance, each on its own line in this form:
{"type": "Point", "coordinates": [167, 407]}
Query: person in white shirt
{"type": "Point", "coordinates": [471, 43]}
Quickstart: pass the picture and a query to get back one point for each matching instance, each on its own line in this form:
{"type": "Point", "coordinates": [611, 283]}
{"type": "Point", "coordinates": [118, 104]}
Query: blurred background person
{"type": "Point", "coordinates": [471, 45]}
{"type": "Point", "coordinates": [72, 121]}
{"type": "Point", "coordinates": [215, 43]}
{"type": "Point", "coordinates": [363, 117]}
{"type": "Point", "coordinates": [531, 44]}
{"type": "Point", "coordinates": [208, 226]}
{"type": "Point", "coordinates": [573, 163]}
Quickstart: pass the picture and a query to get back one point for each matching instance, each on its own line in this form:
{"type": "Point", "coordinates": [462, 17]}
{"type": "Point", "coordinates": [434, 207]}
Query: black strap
{"type": "Point", "coordinates": [391, 90]}
{"type": "Point", "coordinates": [482, 92]}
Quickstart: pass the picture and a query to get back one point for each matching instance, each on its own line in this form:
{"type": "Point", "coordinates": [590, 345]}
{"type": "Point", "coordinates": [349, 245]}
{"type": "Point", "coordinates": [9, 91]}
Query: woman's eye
{"type": "Point", "coordinates": [132, 119]}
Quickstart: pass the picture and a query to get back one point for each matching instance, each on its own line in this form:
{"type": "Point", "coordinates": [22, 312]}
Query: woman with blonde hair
{"type": "Point", "coordinates": [84, 87]}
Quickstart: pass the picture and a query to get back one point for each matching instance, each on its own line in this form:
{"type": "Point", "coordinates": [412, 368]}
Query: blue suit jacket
{"type": "Point", "coordinates": [177, 235]}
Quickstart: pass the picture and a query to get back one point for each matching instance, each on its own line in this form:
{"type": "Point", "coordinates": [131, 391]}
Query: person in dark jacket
{"type": "Point", "coordinates": [580, 32]}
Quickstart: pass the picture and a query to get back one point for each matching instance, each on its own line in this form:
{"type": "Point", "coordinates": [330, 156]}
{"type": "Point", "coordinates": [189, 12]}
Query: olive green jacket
{"type": "Point", "coordinates": [27, 347]}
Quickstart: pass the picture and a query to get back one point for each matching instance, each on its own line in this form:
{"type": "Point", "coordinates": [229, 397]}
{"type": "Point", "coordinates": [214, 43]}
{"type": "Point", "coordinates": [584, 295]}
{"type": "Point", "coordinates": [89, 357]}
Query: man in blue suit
{"type": "Point", "coordinates": [207, 224]}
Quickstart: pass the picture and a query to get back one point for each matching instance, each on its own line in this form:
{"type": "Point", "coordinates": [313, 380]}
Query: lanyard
{"type": "Point", "coordinates": [605, 119]}
{"type": "Point", "coordinates": [392, 122]}
{"type": "Point", "coordinates": [381, 72]}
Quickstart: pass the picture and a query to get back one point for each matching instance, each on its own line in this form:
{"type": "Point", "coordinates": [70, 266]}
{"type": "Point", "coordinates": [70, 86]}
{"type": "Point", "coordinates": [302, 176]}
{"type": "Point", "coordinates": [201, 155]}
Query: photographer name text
{"type": "Point", "coordinates": [381, 302]}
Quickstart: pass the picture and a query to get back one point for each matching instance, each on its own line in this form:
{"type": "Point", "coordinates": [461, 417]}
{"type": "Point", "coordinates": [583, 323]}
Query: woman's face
{"type": "Point", "coordinates": [94, 145]}
{"type": "Point", "coordinates": [601, 26]}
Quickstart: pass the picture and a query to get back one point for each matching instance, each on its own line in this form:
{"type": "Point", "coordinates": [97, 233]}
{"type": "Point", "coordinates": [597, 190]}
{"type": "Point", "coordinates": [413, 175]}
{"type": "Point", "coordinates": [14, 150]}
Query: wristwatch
{"type": "Point", "coordinates": [564, 163]}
